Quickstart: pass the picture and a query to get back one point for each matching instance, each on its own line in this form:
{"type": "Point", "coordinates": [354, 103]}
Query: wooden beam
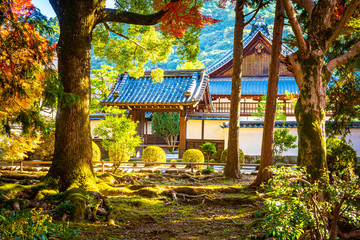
{"type": "Point", "coordinates": [182, 141]}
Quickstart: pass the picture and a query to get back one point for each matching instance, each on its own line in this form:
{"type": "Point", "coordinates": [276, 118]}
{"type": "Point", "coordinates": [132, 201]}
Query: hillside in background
{"type": "Point", "coordinates": [215, 40]}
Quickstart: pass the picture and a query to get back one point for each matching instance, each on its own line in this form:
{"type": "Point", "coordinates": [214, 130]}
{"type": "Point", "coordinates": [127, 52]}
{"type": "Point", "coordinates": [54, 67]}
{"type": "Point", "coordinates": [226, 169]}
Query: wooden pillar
{"type": "Point", "coordinates": [139, 116]}
{"type": "Point", "coordinates": [202, 130]}
{"type": "Point", "coordinates": [146, 131]}
{"type": "Point", "coordinates": [182, 142]}
{"type": "Point", "coordinates": [284, 107]}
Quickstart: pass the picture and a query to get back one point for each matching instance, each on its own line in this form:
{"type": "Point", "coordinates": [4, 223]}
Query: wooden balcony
{"type": "Point", "coordinates": [247, 109]}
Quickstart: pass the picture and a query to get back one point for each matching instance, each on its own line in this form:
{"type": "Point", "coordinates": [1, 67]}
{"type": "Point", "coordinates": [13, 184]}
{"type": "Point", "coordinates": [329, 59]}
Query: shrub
{"type": "Point", "coordinates": [208, 170]}
{"type": "Point", "coordinates": [195, 156]}
{"type": "Point", "coordinates": [173, 161]}
{"type": "Point", "coordinates": [119, 137]}
{"type": "Point", "coordinates": [224, 156]}
{"type": "Point", "coordinates": [208, 149]}
{"type": "Point", "coordinates": [33, 224]}
{"type": "Point", "coordinates": [153, 154]}
{"type": "Point", "coordinates": [96, 153]}
{"type": "Point", "coordinates": [340, 156]}
{"type": "Point", "coordinates": [304, 215]}
{"type": "Point", "coordinates": [66, 207]}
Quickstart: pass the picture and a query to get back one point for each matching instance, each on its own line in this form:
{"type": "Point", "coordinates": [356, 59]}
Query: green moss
{"type": "Point", "coordinates": [108, 178]}
{"type": "Point", "coordinates": [77, 196]}
{"type": "Point", "coordinates": [311, 140]}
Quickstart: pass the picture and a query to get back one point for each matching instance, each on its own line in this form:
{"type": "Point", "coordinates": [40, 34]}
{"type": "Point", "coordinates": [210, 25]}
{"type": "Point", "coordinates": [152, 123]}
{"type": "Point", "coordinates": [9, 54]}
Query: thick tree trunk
{"type": "Point", "coordinates": [269, 123]}
{"type": "Point", "coordinates": [232, 168]}
{"type": "Point", "coordinates": [310, 112]}
{"type": "Point", "coordinates": [72, 158]}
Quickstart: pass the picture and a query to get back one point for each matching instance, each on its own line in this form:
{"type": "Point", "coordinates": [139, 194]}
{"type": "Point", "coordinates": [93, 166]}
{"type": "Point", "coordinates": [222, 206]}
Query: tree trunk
{"type": "Point", "coordinates": [232, 168]}
{"type": "Point", "coordinates": [269, 122]}
{"type": "Point", "coordinates": [73, 151]}
{"type": "Point", "coordinates": [310, 111]}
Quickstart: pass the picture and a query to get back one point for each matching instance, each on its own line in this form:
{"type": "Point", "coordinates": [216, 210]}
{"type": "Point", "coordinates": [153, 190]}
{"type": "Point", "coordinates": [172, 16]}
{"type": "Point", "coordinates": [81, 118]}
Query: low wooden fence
{"type": "Point", "coordinates": [107, 165]}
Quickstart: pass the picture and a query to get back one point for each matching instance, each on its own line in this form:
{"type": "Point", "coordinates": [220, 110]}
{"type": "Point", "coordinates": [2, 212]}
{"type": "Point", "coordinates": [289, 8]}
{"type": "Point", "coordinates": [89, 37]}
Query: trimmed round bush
{"type": "Point", "coordinates": [224, 153]}
{"type": "Point", "coordinates": [153, 154]}
{"type": "Point", "coordinates": [96, 153]}
{"type": "Point", "coordinates": [195, 156]}
{"type": "Point", "coordinates": [340, 156]}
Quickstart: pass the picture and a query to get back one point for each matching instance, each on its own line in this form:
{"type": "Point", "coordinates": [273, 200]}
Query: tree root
{"type": "Point", "coordinates": [350, 235]}
{"type": "Point", "coordinates": [184, 198]}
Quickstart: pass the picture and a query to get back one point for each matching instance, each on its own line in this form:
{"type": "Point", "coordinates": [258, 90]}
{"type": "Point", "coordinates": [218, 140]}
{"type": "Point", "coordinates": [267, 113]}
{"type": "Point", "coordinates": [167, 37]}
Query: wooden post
{"type": "Point", "coordinates": [139, 116]}
{"type": "Point", "coordinates": [202, 130]}
{"type": "Point", "coordinates": [182, 143]}
{"type": "Point", "coordinates": [284, 107]}
{"type": "Point", "coordinates": [102, 166]}
{"type": "Point", "coordinates": [146, 131]}
{"type": "Point", "coordinates": [21, 166]}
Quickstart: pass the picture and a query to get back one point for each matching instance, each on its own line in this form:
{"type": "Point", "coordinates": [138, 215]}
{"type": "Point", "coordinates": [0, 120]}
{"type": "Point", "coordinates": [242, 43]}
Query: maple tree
{"type": "Point", "coordinates": [17, 146]}
{"type": "Point", "coordinates": [25, 56]}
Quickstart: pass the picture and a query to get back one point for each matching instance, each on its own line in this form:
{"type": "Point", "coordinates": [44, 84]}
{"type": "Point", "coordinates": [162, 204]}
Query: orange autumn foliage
{"type": "Point", "coordinates": [180, 15]}
{"type": "Point", "coordinates": [17, 147]}
{"type": "Point", "coordinates": [24, 53]}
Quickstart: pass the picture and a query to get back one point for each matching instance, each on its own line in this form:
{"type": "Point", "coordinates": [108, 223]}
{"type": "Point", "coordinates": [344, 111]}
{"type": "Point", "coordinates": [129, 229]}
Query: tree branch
{"type": "Point", "coordinates": [123, 36]}
{"type": "Point", "coordinates": [295, 26]}
{"type": "Point", "coordinates": [307, 4]}
{"type": "Point", "coordinates": [256, 12]}
{"type": "Point", "coordinates": [114, 15]}
{"type": "Point", "coordinates": [344, 58]}
{"type": "Point", "coordinates": [350, 9]}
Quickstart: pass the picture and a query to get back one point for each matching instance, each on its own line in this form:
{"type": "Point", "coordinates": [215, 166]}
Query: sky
{"type": "Point", "coordinates": [47, 9]}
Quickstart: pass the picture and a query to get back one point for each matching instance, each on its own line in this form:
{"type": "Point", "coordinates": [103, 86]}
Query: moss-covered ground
{"type": "Point", "coordinates": [140, 206]}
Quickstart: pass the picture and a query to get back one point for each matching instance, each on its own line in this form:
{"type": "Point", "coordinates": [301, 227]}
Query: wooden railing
{"type": "Point", "coordinates": [247, 109]}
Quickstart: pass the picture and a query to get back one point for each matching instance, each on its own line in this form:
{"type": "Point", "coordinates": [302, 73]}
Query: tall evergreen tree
{"type": "Point", "coordinates": [232, 168]}
{"type": "Point", "coordinates": [270, 112]}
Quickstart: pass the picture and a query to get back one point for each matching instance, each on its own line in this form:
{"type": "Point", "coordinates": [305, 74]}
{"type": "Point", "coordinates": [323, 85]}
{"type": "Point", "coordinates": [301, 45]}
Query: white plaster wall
{"type": "Point", "coordinates": [193, 129]}
{"type": "Point", "coordinates": [212, 130]}
{"type": "Point", "coordinates": [250, 141]}
{"type": "Point", "coordinates": [93, 124]}
{"type": "Point", "coordinates": [355, 140]}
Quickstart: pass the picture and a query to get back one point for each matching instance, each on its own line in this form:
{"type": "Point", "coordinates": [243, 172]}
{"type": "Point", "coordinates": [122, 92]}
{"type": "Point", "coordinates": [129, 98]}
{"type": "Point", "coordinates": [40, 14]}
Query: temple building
{"type": "Point", "coordinates": [203, 96]}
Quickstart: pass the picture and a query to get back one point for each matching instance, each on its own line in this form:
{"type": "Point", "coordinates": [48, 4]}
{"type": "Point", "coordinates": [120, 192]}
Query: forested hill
{"type": "Point", "coordinates": [215, 40]}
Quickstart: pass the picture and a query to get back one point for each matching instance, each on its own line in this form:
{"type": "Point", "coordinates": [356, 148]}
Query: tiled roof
{"type": "Point", "coordinates": [101, 116]}
{"type": "Point", "coordinates": [252, 86]}
{"type": "Point", "coordinates": [260, 27]}
{"type": "Point", "coordinates": [177, 87]}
